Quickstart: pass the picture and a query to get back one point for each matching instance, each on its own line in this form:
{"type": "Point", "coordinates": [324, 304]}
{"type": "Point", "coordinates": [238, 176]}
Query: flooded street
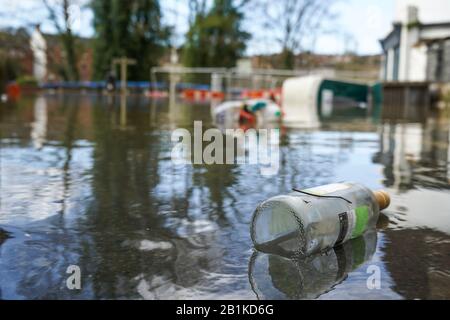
{"type": "Point", "coordinates": [85, 182]}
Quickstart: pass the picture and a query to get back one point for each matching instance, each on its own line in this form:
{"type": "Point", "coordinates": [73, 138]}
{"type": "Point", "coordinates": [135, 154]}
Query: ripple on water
{"type": "Point", "coordinates": [148, 245]}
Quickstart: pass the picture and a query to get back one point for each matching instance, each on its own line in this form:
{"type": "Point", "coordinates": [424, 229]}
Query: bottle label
{"type": "Point", "coordinates": [361, 218]}
{"type": "Point", "coordinates": [343, 222]}
{"type": "Point", "coordinates": [330, 188]}
{"type": "Point", "coordinates": [352, 223]}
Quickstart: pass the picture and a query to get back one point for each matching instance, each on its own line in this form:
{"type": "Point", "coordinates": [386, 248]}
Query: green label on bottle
{"type": "Point", "coordinates": [361, 220]}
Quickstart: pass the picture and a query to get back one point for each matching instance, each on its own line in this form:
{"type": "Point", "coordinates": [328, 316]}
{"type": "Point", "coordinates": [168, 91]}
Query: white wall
{"type": "Point", "coordinates": [430, 11]}
{"type": "Point", "coordinates": [433, 33]}
{"type": "Point", "coordinates": [390, 65]}
{"type": "Point", "coordinates": [418, 64]}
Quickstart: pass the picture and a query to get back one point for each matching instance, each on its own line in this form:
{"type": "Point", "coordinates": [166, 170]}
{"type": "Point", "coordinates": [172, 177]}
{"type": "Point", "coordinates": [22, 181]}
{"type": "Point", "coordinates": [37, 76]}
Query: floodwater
{"type": "Point", "coordinates": [85, 183]}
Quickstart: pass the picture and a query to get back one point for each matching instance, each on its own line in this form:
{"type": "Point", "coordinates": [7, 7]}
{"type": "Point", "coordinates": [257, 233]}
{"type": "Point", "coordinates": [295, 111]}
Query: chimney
{"type": "Point", "coordinates": [412, 15]}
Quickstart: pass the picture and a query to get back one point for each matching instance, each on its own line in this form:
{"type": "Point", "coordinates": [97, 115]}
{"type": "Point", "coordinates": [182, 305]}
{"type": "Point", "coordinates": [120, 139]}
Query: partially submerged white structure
{"type": "Point", "coordinates": [300, 100]}
{"type": "Point", "coordinates": [308, 100]}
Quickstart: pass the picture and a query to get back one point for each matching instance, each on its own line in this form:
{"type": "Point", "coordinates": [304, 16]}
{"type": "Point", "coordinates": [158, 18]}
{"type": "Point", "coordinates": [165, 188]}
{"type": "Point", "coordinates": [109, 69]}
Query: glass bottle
{"type": "Point", "coordinates": [314, 220]}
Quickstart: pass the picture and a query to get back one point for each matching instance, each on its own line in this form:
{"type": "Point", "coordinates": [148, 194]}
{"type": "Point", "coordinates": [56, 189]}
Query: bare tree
{"type": "Point", "coordinates": [295, 23]}
{"type": "Point", "coordinates": [196, 8]}
{"type": "Point", "coordinates": [59, 12]}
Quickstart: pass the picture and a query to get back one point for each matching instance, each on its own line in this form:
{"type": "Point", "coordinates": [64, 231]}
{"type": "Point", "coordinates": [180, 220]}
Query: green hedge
{"type": "Point", "coordinates": [27, 81]}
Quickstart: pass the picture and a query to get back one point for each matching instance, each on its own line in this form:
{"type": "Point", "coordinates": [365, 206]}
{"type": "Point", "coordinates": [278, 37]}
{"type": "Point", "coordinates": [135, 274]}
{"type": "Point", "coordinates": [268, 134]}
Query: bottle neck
{"type": "Point", "coordinates": [383, 199]}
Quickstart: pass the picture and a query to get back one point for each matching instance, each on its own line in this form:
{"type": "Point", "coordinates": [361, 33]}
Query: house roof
{"type": "Point", "coordinates": [392, 38]}
{"type": "Point", "coordinates": [436, 25]}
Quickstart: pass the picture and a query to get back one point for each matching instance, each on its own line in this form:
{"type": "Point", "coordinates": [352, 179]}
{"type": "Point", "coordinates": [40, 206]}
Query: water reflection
{"type": "Point", "coordinates": [274, 277]}
{"type": "Point", "coordinates": [86, 181]}
{"type": "Point", "coordinates": [415, 154]}
{"type": "Point", "coordinates": [39, 126]}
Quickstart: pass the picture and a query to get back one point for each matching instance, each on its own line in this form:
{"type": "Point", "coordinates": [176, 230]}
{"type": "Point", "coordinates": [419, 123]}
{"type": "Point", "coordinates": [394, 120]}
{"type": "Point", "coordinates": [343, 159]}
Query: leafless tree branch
{"type": "Point", "coordinates": [292, 21]}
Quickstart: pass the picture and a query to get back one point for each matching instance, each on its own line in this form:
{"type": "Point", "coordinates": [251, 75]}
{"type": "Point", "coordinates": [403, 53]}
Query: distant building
{"type": "Point", "coordinates": [418, 49]}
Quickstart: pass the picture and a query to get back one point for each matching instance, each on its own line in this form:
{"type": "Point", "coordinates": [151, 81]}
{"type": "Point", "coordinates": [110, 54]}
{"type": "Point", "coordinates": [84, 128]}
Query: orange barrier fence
{"type": "Point", "coordinates": [262, 94]}
{"type": "Point", "coordinates": [192, 94]}
{"type": "Point", "coordinates": [201, 94]}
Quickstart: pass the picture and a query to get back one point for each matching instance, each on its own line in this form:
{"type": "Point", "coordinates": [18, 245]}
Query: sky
{"type": "Point", "coordinates": [358, 26]}
{"type": "Point", "coordinates": [366, 21]}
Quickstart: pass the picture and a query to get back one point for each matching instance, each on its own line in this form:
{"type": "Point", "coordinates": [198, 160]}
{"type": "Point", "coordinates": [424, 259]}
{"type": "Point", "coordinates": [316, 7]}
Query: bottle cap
{"type": "Point", "coordinates": [383, 199]}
